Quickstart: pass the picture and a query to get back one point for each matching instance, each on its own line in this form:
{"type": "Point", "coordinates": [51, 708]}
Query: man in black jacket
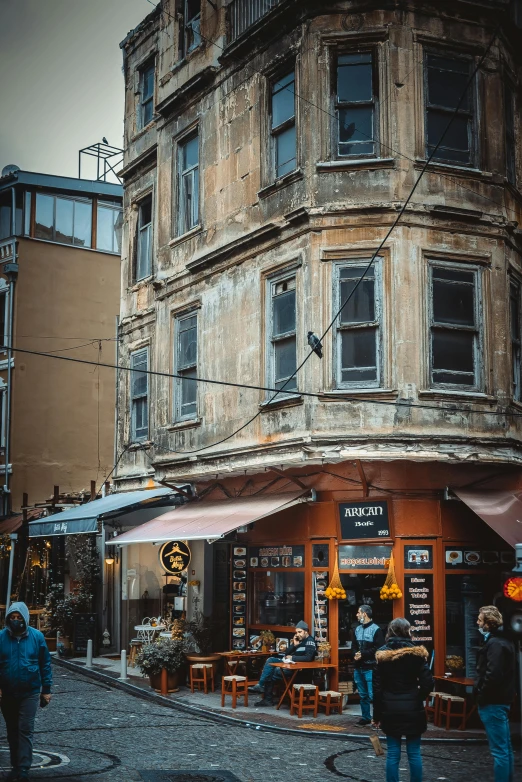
{"type": "Point", "coordinates": [303, 649]}
{"type": "Point", "coordinates": [495, 689]}
{"type": "Point", "coordinates": [368, 638]}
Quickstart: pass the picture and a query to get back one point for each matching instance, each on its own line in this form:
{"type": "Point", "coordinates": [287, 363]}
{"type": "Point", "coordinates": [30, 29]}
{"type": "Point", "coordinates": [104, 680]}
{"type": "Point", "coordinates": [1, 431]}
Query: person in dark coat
{"type": "Point", "coordinates": [402, 681]}
{"type": "Point", "coordinates": [495, 689]}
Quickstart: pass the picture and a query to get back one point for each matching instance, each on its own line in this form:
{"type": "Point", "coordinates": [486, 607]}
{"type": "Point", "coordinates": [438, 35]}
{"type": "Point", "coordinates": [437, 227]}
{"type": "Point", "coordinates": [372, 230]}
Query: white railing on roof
{"type": "Point", "coordinates": [245, 13]}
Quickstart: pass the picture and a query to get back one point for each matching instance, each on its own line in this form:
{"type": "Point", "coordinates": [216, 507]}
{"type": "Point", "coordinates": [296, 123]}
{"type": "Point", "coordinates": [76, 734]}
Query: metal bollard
{"type": "Point", "coordinates": [88, 663]}
{"type": "Point", "coordinates": [164, 682]}
{"type": "Point", "coordinates": [123, 671]}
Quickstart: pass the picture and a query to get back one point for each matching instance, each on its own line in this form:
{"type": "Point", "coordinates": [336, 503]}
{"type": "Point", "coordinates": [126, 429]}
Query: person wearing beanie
{"type": "Point", "coordinates": [302, 649]}
{"type": "Point", "coordinates": [25, 682]}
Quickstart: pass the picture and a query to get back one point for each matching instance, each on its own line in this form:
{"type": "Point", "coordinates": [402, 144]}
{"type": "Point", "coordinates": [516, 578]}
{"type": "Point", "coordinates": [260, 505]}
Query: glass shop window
{"type": "Point", "coordinates": [356, 105]}
{"type": "Point", "coordinates": [455, 327]}
{"type": "Point", "coordinates": [277, 598]}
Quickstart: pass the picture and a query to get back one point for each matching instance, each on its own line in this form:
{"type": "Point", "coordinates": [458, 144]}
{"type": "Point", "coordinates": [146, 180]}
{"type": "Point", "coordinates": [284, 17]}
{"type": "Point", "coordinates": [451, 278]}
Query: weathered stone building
{"type": "Point", "coordinates": [269, 149]}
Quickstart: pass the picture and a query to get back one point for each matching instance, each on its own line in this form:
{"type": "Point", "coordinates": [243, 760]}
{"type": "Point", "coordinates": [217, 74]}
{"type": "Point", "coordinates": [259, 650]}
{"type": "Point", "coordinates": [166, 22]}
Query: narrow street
{"type": "Point", "coordinates": [90, 732]}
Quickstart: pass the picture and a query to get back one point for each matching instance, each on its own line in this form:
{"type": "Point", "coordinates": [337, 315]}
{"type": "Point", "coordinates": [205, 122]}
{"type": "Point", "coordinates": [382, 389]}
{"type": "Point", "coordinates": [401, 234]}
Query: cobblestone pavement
{"type": "Point", "coordinates": [91, 732]}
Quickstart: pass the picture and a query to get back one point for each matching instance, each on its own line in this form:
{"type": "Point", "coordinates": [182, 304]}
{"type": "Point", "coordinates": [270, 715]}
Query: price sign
{"type": "Point", "coordinates": [364, 521]}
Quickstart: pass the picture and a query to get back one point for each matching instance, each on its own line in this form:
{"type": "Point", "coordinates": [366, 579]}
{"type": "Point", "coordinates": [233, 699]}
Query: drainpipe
{"type": "Point", "coordinates": [11, 272]}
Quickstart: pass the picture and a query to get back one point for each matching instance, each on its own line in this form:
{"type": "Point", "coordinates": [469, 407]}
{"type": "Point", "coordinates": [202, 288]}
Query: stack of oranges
{"type": "Point", "coordinates": [392, 592]}
{"type": "Point", "coordinates": [335, 593]}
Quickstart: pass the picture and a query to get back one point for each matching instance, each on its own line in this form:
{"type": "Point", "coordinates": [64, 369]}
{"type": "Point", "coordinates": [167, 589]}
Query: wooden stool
{"type": "Point", "coordinates": [236, 686]}
{"type": "Point", "coordinates": [135, 646]}
{"type": "Point", "coordinates": [432, 707]}
{"type": "Point", "coordinates": [452, 706]}
{"type": "Point", "coordinates": [331, 701]}
{"type": "Point", "coordinates": [201, 673]}
{"type": "Point", "coordinates": [304, 697]}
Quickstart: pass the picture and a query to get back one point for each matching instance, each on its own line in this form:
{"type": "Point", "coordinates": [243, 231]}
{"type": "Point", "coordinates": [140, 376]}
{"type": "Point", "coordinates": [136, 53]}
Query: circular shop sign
{"type": "Point", "coordinates": [174, 557]}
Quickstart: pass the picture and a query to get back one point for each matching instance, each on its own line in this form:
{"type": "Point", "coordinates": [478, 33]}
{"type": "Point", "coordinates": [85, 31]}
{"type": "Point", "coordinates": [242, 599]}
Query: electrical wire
{"type": "Point", "coordinates": [340, 397]}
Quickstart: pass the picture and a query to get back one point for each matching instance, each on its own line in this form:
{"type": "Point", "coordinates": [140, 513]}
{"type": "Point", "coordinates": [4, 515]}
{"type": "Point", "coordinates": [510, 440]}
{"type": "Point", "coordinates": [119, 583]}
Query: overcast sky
{"type": "Point", "coordinates": [61, 85]}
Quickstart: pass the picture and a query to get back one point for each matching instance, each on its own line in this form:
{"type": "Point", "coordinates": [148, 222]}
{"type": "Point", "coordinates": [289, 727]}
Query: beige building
{"type": "Point", "coordinates": [269, 150]}
{"type": "Point", "coordinates": [59, 294]}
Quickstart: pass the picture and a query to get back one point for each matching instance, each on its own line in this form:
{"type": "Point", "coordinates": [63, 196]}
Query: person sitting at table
{"type": "Point", "coordinates": [302, 649]}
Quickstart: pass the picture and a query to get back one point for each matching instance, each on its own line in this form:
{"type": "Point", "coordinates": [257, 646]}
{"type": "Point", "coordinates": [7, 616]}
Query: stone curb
{"type": "Point", "coordinates": [153, 697]}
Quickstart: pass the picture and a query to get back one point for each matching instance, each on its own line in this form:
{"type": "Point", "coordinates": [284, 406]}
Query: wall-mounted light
{"type": "Point", "coordinates": [109, 560]}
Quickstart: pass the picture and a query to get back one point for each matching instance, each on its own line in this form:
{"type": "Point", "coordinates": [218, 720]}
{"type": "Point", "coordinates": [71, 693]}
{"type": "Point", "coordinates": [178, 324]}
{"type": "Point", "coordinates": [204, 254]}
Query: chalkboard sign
{"type": "Point", "coordinates": [418, 599]}
{"type": "Point", "coordinates": [85, 629]}
{"type": "Point", "coordinates": [364, 520]}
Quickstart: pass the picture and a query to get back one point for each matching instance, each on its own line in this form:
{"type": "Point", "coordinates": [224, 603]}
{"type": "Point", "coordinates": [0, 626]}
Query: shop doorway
{"type": "Point", "coordinates": [361, 588]}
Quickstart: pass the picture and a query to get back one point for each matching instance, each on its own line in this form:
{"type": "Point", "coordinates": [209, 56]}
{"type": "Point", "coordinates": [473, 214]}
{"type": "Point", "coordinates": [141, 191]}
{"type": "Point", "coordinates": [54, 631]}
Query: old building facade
{"type": "Point", "coordinates": [269, 150]}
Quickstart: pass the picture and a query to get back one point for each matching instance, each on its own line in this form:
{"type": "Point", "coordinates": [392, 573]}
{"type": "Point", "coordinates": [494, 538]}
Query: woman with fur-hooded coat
{"type": "Point", "coordinates": [402, 681]}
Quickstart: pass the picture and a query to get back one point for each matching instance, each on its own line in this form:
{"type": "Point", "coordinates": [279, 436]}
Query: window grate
{"type": "Point", "coordinates": [245, 13]}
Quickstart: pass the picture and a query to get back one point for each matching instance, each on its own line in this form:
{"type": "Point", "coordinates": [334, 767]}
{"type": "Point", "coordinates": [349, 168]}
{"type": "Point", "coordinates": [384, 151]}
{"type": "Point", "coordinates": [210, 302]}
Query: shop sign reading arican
{"type": "Point", "coordinates": [364, 520]}
{"type": "Point", "coordinates": [174, 557]}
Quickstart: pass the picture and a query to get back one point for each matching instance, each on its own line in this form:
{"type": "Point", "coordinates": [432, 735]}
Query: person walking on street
{"type": "Point", "coordinates": [25, 683]}
{"type": "Point", "coordinates": [368, 638]}
{"type": "Point", "coordinates": [401, 683]}
{"type": "Point", "coordinates": [495, 689]}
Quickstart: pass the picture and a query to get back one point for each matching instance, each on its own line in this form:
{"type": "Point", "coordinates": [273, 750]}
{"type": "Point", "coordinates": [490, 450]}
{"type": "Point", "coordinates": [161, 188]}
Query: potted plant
{"type": "Point", "coordinates": [202, 632]}
{"type": "Point", "coordinates": [60, 610]}
{"type": "Point", "coordinates": [153, 658]}
{"type": "Point", "coordinates": [267, 640]}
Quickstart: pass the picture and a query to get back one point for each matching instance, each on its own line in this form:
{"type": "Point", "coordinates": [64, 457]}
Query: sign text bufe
{"type": "Point", "coordinates": [364, 520]}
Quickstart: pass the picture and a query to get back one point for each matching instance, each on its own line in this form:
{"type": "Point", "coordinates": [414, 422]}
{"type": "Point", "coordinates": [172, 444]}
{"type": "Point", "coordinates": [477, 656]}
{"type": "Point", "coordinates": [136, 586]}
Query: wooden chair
{"type": "Point", "coordinates": [201, 674]}
{"type": "Point", "coordinates": [236, 686]}
{"type": "Point", "coordinates": [134, 647]}
{"type": "Point", "coordinates": [331, 701]}
{"type": "Point", "coordinates": [432, 707]}
{"type": "Point", "coordinates": [304, 697]}
{"type": "Point", "coordinates": [452, 707]}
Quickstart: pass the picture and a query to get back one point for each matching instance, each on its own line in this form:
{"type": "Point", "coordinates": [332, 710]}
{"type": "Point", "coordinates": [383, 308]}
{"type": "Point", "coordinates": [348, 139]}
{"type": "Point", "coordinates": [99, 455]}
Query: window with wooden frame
{"type": "Point", "coordinates": [189, 26]}
{"type": "Point", "coordinates": [281, 330]}
{"type": "Point", "coordinates": [139, 381]}
{"type": "Point", "coordinates": [188, 184]}
{"type": "Point", "coordinates": [146, 108]}
{"type": "Point", "coordinates": [446, 77]}
{"type": "Point", "coordinates": [358, 337]}
{"type": "Point", "coordinates": [455, 326]}
{"type": "Point", "coordinates": [356, 105]}
{"type": "Point", "coordinates": [510, 134]}
{"type": "Point", "coordinates": [144, 239]}
{"type": "Point", "coordinates": [63, 220]}
{"type": "Point", "coordinates": [185, 366]}
{"type": "Point", "coordinates": [283, 124]}
{"type": "Point", "coordinates": [516, 340]}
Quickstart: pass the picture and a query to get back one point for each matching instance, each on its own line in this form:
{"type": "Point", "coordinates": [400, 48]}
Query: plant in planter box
{"type": "Point", "coordinates": [166, 654]}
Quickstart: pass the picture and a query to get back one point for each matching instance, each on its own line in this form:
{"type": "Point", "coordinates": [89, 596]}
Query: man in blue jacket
{"type": "Point", "coordinates": [25, 682]}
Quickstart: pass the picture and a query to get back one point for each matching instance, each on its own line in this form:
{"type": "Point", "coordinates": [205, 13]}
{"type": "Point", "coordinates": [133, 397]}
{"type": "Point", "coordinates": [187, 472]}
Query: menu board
{"type": "Point", "coordinates": [267, 557]}
{"type": "Point", "coordinates": [364, 557]}
{"type": "Point", "coordinates": [418, 598]}
{"type": "Point", "coordinates": [418, 557]}
{"type": "Point", "coordinates": [364, 520]}
{"type": "Point", "coordinates": [84, 629]}
{"type": "Point", "coordinates": [472, 637]}
{"type": "Point", "coordinates": [239, 597]}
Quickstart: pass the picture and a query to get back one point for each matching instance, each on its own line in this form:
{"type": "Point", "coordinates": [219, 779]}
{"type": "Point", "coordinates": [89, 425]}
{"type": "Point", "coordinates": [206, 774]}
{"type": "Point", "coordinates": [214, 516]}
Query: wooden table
{"type": "Point", "coordinates": [236, 657]}
{"type": "Point", "coordinates": [293, 669]}
{"type": "Point", "coordinates": [146, 633]}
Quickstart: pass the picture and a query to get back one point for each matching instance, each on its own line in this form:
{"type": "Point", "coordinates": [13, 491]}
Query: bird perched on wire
{"type": "Point", "coordinates": [315, 344]}
{"type": "Point", "coordinates": [105, 140]}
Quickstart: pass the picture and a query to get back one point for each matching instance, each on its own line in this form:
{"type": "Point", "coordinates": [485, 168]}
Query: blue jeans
{"type": "Point", "coordinates": [364, 680]}
{"type": "Point", "coordinates": [270, 674]}
{"type": "Point", "coordinates": [495, 719]}
{"type": "Point", "coordinates": [393, 757]}
{"type": "Point", "coordinates": [19, 715]}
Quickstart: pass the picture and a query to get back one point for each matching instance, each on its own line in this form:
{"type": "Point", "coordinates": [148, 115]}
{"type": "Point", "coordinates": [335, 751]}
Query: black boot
{"type": "Point", "coordinates": [268, 700]}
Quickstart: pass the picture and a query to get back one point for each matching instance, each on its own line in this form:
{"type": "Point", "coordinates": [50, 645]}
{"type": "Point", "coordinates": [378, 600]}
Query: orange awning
{"type": "Point", "coordinates": [208, 519]}
{"type": "Point", "coordinates": [501, 510]}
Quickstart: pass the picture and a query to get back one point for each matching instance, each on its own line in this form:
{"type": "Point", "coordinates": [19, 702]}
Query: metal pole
{"type": "Point", "coordinates": [88, 663]}
{"type": "Point", "coordinates": [14, 538]}
{"type": "Point", "coordinates": [123, 670]}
